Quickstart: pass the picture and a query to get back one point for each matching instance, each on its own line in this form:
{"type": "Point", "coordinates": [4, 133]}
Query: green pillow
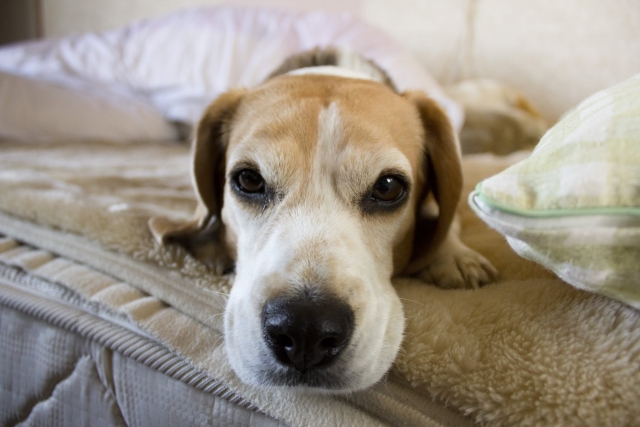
{"type": "Point", "coordinates": [574, 204]}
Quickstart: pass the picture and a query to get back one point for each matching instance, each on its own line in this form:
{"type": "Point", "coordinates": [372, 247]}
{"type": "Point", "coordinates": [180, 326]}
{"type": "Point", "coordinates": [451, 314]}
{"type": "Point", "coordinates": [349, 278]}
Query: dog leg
{"type": "Point", "coordinates": [456, 266]}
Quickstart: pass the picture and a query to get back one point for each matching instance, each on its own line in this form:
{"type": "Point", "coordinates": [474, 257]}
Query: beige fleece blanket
{"type": "Point", "coordinates": [527, 350]}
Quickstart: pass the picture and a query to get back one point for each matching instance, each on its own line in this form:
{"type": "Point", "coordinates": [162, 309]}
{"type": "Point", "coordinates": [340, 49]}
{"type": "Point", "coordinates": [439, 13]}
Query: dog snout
{"type": "Point", "coordinates": [307, 333]}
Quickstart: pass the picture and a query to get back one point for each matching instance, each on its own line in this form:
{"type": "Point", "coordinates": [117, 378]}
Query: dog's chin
{"type": "Point", "coordinates": [335, 379]}
{"type": "Point", "coordinates": [331, 379]}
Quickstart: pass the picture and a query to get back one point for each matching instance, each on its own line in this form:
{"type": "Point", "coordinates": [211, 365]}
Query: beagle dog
{"type": "Point", "coordinates": [320, 185]}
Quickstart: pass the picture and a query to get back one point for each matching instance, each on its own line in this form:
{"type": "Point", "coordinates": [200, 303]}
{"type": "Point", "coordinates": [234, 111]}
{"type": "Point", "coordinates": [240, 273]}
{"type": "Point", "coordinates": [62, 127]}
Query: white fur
{"type": "Point", "coordinates": [358, 64]}
{"type": "Point", "coordinates": [350, 65]}
{"type": "Point", "coordinates": [332, 70]}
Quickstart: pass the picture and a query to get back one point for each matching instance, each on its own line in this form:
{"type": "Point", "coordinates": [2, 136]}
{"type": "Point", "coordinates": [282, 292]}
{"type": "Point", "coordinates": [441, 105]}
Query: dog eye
{"type": "Point", "coordinates": [250, 181]}
{"type": "Point", "coordinates": [388, 189]}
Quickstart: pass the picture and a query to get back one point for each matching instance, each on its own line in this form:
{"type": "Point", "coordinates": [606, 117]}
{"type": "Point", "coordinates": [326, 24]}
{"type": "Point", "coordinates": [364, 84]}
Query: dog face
{"type": "Point", "coordinates": [319, 183]}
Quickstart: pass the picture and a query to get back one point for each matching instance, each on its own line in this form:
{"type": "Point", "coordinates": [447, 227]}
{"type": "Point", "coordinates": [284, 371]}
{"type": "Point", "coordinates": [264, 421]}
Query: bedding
{"type": "Point", "coordinates": [574, 205]}
{"type": "Point", "coordinates": [527, 350]}
{"type": "Point", "coordinates": [172, 67]}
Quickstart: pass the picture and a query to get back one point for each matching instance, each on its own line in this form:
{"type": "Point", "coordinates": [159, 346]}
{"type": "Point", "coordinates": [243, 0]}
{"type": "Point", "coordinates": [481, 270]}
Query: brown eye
{"type": "Point", "coordinates": [250, 181]}
{"type": "Point", "coordinates": [388, 189]}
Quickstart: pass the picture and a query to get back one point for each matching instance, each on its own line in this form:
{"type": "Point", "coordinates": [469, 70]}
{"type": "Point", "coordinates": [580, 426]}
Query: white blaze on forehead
{"type": "Point", "coordinates": [329, 127]}
{"type": "Point", "coordinates": [330, 134]}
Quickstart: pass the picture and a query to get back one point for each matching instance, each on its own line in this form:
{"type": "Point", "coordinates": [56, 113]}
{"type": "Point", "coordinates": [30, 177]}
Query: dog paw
{"type": "Point", "coordinates": [460, 269]}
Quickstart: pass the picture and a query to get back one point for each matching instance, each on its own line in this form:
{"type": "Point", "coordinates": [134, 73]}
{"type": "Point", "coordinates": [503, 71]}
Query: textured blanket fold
{"type": "Point", "coordinates": [527, 350]}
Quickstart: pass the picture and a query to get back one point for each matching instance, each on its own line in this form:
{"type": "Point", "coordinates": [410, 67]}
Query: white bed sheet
{"type": "Point", "coordinates": [172, 67]}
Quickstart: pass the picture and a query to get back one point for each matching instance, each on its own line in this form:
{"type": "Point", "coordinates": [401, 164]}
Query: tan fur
{"type": "Point", "coordinates": [446, 172]}
{"type": "Point", "coordinates": [288, 107]}
{"type": "Point", "coordinates": [368, 128]}
{"type": "Point", "coordinates": [311, 58]}
{"type": "Point", "coordinates": [419, 127]}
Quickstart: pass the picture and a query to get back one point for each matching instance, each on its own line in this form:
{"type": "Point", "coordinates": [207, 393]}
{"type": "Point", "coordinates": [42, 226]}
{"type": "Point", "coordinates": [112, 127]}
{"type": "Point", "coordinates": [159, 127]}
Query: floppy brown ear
{"type": "Point", "coordinates": [443, 180]}
{"type": "Point", "coordinates": [208, 169]}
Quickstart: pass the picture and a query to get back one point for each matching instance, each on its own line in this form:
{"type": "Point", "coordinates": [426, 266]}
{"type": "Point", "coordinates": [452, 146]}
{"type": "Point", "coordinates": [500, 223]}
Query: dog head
{"type": "Point", "coordinates": [316, 186]}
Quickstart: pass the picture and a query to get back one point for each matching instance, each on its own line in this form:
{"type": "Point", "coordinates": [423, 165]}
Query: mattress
{"type": "Point", "coordinates": [66, 366]}
{"type": "Point", "coordinates": [101, 325]}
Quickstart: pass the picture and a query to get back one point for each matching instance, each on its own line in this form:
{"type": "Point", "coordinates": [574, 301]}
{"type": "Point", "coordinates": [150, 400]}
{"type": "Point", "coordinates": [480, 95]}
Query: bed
{"type": "Point", "coordinates": [103, 326]}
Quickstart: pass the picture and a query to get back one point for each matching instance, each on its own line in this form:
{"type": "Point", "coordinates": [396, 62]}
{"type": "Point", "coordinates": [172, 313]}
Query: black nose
{"type": "Point", "coordinates": [307, 332]}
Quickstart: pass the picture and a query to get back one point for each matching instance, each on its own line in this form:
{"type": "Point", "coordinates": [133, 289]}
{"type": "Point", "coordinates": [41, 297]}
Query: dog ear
{"type": "Point", "coordinates": [443, 181]}
{"type": "Point", "coordinates": [208, 169]}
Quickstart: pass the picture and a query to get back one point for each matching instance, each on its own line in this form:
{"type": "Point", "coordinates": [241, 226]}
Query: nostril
{"type": "Point", "coordinates": [282, 340]}
{"type": "Point", "coordinates": [276, 337]}
{"type": "Point", "coordinates": [275, 326]}
{"type": "Point", "coordinates": [331, 342]}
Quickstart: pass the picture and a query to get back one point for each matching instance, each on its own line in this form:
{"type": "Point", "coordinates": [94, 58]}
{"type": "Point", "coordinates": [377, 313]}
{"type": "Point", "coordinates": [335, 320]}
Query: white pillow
{"type": "Point", "coordinates": [38, 110]}
{"type": "Point", "coordinates": [574, 204]}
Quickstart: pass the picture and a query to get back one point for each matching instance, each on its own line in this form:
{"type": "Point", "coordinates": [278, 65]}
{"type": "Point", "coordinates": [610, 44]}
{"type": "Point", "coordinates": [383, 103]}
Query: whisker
{"type": "Point", "coordinates": [212, 317]}
{"type": "Point", "coordinates": [413, 301]}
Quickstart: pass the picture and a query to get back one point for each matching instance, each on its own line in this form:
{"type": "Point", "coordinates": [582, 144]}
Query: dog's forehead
{"type": "Point", "coordinates": [290, 118]}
